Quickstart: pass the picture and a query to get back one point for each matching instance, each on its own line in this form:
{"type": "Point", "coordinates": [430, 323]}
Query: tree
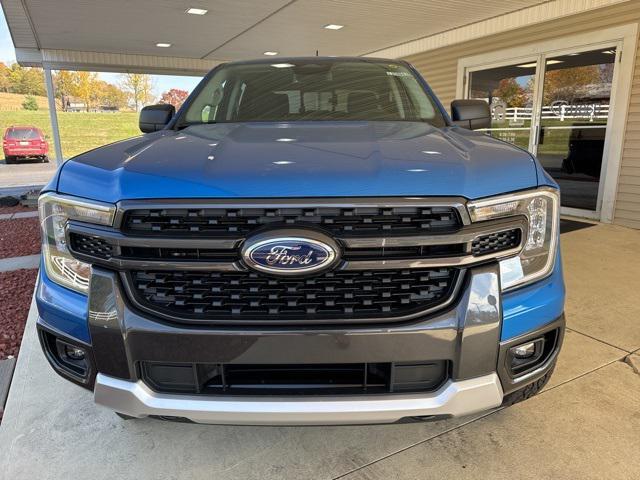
{"type": "Point", "coordinates": [83, 87]}
{"type": "Point", "coordinates": [64, 82]}
{"type": "Point", "coordinates": [30, 103]}
{"type": "Point", "coordinates": [567, 84]}
{"type": "Point", "coordinates": [175, 97]}
{"type": "Point", "coordinates": [27, 81]}
{"type": "Point", "coordinates": [510, 92]}
{"type": "Point", "coordinates": [112, 96]}
{"type": "Point", "coordinates": [139, 87]}
{"type": "Point", "coordinates": [5, 82]}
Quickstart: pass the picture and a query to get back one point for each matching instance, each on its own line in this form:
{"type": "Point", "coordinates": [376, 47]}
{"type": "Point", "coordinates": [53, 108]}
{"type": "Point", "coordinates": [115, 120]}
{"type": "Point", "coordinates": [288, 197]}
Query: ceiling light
{"type": "Point", "coordinates": [271, 54]}
{"type": "Point", "coordinates": [533, 64]}
{"type": "Point", "coordinates": [196, 11]}
{"type": "Point", "coordinates": [282, 65]}
{"type": "Point", "coordinates": [417, 170]}
{"type": "Point", "coordinates": [285, 139]}
{"type": "Point", "coordinates": [333, 26]}
{"type": "Point", "coordinates": [572, 54]}
{"type": "Point", "coordinates": [609, 52]}
{"type": "Point", "coordinates": [283, 162]}
{"type": "Point", "coordinates": [163, 45]}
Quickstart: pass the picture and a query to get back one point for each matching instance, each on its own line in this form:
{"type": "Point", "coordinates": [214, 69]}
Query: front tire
{"type": "Point", "coordinates": [528, 391]}
{"type": "Point", "coordinates": [45, 159]}
{"type": "Point", "coordinates": [9, 160]}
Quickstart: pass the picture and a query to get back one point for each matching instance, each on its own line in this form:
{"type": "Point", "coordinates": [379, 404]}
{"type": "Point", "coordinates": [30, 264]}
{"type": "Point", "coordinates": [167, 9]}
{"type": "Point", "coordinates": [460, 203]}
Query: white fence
{"type": "Point", "coordinates": [557, 111]}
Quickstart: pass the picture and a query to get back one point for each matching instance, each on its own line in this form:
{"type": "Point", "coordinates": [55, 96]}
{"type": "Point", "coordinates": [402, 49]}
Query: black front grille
{"type": "Point", "coordinates": [91, 245]}
{"type": "Point", "coordinates": [210, 221]}
{"type": "Point", "coordinates": [301, 379]}
{"type": "Point", "coordinates": [496, 242]}
{"type": "Point", "coordinates": [239, 297]}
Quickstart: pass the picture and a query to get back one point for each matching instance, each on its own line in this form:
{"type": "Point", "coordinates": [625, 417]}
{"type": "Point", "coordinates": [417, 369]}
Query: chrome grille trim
{"type": "Point", "coordinates": [465, 237]}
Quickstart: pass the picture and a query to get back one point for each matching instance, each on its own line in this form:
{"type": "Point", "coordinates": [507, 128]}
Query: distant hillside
{"type": "Point", "coordinates": [13, 102]}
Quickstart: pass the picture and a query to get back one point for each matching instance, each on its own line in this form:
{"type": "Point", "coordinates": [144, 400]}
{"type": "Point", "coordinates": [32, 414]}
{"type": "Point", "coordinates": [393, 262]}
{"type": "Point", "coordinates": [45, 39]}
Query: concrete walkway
{"type": "Point", "coordinates": [586, 424]}
{"type": "Point", "coordinates": [16, 263]}
{"type": "Point", "coordinates": [12, 216]}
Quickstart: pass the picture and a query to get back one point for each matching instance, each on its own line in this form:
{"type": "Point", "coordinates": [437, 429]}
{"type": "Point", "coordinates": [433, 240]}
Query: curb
{"type": "Point", "coordinates": [6, 374]}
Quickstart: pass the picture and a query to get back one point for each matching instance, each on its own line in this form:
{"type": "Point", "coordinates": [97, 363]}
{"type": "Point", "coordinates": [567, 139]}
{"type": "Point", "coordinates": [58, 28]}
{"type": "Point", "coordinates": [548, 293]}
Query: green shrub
{"type": "Point", "coordinates": [30, 103]}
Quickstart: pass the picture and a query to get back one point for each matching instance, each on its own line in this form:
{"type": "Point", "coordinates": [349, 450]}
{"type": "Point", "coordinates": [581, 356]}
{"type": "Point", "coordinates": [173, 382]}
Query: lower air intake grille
{"type": "Point", "coordinates": [240, 297]}
{"type": "Point", "coordinates": [496, 242]}
{"type": "Point", "coordinates": [304, 379]}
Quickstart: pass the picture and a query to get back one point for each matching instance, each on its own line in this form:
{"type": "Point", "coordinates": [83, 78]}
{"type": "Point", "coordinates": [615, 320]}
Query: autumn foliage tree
{"type": "Point", "coordinates": [175, 97]}
{"type": "Point", "coordinates": [511, 93]}
{"type": "Point", "coordinates": [139, 88]}
{"type": "Point", "coordinates": [23, 80]}
{"type": "Point", "coordinates": [5, 83]}
{"type": "Point", "coordinates": [567, 84]}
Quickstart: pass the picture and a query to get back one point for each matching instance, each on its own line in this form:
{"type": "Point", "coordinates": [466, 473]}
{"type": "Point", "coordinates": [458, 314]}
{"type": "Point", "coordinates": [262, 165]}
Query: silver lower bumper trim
{"type": "Point", "coordinates": [453, 398]}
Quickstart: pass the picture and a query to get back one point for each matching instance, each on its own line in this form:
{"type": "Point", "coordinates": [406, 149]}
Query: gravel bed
{"type": "Point", "coordinates": [19, 237]}
{"type": "Point", "coordinates": [17, 290]}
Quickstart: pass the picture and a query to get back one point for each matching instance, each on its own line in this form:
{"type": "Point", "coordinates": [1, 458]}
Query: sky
{"type": "Point", "coordinates": [162, 83]}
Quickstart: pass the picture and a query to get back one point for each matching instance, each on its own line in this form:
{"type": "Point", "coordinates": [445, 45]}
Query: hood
{"type": "Point", "coordinates": [302, 159]}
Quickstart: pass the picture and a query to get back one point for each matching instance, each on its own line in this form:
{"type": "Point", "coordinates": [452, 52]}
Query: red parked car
{"type": "Point", "coordinates": [24, 142]}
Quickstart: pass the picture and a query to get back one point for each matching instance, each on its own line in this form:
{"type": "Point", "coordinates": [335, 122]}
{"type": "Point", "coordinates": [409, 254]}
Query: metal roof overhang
{"type": "Point", "coordinates": [121, 35]}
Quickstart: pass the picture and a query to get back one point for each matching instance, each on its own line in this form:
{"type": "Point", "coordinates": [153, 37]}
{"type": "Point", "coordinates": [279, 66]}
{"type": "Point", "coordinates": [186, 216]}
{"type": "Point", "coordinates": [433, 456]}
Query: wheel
{"type": "Point", "coordinates": [9, 160]}
{"type": "Point", "coordinates": [125, 417]}
{"type": "Point", "coordinates": [45, 159]}
{"type": "Point", "coordinates": [528, 391]}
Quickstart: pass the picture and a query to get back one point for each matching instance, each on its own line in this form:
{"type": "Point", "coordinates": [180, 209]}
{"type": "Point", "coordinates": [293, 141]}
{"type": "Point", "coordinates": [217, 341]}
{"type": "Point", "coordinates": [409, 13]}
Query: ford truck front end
{"type": "Point", "coordinates": [308, 241]}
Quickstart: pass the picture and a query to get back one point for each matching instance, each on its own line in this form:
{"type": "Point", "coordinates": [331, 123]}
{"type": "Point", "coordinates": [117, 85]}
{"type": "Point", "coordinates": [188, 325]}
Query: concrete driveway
{"type": "Point", "coordinates": [28, 172]}
{"type": "Point", "coordinates": [585, 425]}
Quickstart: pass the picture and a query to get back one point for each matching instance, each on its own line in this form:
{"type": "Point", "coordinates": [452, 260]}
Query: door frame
{"type": "Point", "coordinates": [624, 38]}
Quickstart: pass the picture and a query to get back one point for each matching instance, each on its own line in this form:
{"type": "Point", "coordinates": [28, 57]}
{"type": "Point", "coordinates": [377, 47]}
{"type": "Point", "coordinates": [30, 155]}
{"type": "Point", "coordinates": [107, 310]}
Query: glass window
{"type": "Point", "coordinates": [313, 90]}
{"type": "Point", "coordinates": [509, 92]}
{"type": "Point", "coordinates": [23, 134]}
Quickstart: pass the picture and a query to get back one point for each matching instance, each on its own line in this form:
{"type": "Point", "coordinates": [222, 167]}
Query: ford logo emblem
{"type": "Point", "coordinates": [299, 253]}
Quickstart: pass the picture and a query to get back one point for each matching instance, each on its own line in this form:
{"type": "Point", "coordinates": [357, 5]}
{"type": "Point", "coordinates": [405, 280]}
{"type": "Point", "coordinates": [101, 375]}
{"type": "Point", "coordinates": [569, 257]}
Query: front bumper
{"type": "Point", "coordinates": [467, 334]}
{"type": "Point", "coordinates": [455, 398]}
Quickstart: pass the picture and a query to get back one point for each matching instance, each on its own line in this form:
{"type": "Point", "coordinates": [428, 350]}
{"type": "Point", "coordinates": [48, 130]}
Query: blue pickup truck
{"type": "Point", "coordinates": [306, 241]}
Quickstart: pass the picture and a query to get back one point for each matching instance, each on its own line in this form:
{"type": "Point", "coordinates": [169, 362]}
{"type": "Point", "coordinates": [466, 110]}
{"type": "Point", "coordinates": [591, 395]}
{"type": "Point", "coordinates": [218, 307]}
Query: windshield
{"type": "Point", "coordinates": [312, 90]}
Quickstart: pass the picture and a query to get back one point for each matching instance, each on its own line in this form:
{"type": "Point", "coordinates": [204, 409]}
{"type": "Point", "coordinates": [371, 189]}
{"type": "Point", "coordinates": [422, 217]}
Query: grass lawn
{"type": "Point", "coordinates": [13, 101]}
{"type": "Point", "coordinates": [79, 132]}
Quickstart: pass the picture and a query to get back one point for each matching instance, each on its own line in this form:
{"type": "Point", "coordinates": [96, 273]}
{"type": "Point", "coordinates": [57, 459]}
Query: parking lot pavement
{"type": "Point", "coordinates": [29, 172]}
{"type": "Point", "coordinates": [584, 425]}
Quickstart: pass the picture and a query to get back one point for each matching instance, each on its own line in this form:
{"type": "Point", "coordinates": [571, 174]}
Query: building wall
{"type": "Point", "coordinates": [439, 67]}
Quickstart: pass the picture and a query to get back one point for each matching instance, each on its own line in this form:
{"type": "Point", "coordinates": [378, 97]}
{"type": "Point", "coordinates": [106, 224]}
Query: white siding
{"type": "Point", "coordinates": [439, 67]}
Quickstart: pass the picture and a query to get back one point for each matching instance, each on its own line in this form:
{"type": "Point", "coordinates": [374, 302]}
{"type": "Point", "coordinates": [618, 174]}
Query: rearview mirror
{"type": "Point", "coordinates": [471, 114]}
{"type": "Point", "coordinates": [155, 117]}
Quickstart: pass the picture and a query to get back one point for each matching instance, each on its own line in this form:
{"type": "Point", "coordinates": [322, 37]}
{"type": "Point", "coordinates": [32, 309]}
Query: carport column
{"type": "Point", "coordinates": [53, 115]}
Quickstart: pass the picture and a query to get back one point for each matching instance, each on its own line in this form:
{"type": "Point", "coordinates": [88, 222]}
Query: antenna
{"type": "Point", "coordinates": [316, 53]}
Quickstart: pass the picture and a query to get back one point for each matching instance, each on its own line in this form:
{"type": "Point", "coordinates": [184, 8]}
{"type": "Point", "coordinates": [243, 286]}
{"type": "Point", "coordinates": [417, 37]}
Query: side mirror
{"type": "Point", "coordinates": [471, 114]}
{"type": "Point", "coordinates": [155, 117]}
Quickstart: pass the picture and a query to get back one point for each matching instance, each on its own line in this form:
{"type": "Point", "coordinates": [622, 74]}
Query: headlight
{"type": "Point", "coordinates": [55, 211]}
{"type": "Point", "coordinates": [541, 207]}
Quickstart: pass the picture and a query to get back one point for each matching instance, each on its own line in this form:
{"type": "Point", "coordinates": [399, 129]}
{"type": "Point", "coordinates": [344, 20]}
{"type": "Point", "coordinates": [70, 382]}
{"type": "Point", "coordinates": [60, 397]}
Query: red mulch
{"type": "Point", "coordinates": [17, 290]}
{"type": "Point", "coordinates": [19, 237]}
{"type": "Point", "coordinates": [16, 209]}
